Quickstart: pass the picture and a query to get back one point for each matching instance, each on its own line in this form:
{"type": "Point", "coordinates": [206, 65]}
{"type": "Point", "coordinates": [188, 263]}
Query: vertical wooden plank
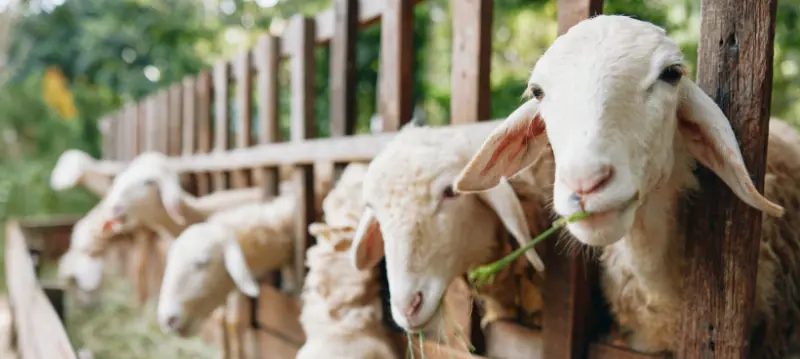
{"type": "Point", "coordinates": [163, 121]}
{"type": "Point", "coordinates": [267, 57]}
{"type": "Point", "coordinates": [141, 124]}
{"type": "Point", "coordinates": [244, 88]}
{"type": "Point", "coordinates": [175, 118]}
{"type": "Point", "coordinates": [472, 50]}
{"type": "Point", "coordinates": [188, 128]}
{"type": "Point", "coordinates": [568, 286]}
{"type": "Point", "coordinates": [395, 72]}
{"type": "Point", "coordinates": [343, 74]}
{"type": "Point", "coordinates": [302, 85]}
{"type": "Point", "coordinates": [472, 25]}
{"type": "Point", "coordinates": [570, 12]}
{"type": "Point", "coordinates": [240, 306]}
{"type": "Point", "coordinates": [112, 134]}
{"type": "Point", "coordinates": [343, 80]}
{"type": "Point", "coordinates": [151, 127]}
{"type": "Point", "coordinates": [132, 131]}
{"type": "Point", "coordinates": [734, 68]}
{"type": "Point", "coordinates": [203, 123]}
{"type": "Point", "coordinates": [188, 115]}
{"type": "Point", "coordinates": [221, 81]}
{"type": "Point", "coordinates": [104, 128]}
{"type": "Point", "coordinates": [124, 138]}
{"type": "Point", "coordinates": [119, 135]}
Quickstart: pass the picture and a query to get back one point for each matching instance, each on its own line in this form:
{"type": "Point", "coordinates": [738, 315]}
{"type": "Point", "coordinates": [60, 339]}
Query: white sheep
{"type": "Point", "coordinates": [342, 313]}
{"type": "Point", "coordinates": [82, 265]}
{"type": "Point", "coordinates": [626, 126]}
{"type": "Point", "coordinates": [228, 251]}
{"type": "Point", "coordinates": [150, 192]}
{"type": "Point", "coordinates": [76, 167]}
{"type": "Point", "coordinates": [430, 235]}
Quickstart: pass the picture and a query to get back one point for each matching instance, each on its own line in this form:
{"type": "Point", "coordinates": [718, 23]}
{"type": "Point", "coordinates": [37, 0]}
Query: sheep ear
{"type": "Point", "coordinates": [367, 247]}
{"type": "Point", "coordinates": [69, 169]}
{"type": "Point", "coordinates": [236, 265]}
{"type": "Point", "coordinates": [170, 190]}
{"type": "Point", "coordinates": [711, 140]}
{"type": "Point", "coordinates": [511, 147]}
{"type": "Point", "coordinates": [506, 204]}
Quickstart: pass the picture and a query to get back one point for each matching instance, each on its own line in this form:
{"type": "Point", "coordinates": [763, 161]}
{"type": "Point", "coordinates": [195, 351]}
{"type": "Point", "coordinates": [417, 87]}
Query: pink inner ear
{"type": "Point", "coordinates": [704, 148]}
{"type": "Point", "coordinates": [369, 246]}
{"type": "Point", "coordinates": [515, 140]}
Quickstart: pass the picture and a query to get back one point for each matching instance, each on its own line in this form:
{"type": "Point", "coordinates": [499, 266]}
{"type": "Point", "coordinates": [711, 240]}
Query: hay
{"type": "Point", "coordinates": [119, 329]}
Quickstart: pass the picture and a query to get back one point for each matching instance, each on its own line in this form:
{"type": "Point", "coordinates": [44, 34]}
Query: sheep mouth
{"type": "Point", "coordinates": [414, 329]}
{"type": "Point", "coordinates": [113, 225]}
{"type": "Point", "coordinates": [600, 217]}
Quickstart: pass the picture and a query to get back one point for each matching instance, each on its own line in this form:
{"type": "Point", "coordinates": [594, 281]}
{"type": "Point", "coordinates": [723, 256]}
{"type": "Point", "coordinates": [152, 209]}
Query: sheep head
{"type": "Point", "coordinates": [429, 234]}
{"type": "Point", "coordinates": [203, 265]}
{"type": "Point", "coordinates": [82, 265]}
{"type": "Point", "coordinates": [612, 97]}
{"type": "Point", "coordinates": [147, 191]}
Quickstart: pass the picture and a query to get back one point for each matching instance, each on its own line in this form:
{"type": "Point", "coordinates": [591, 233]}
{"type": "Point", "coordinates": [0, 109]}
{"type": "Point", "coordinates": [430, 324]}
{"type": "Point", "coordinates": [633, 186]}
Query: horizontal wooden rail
{"type": "Point", "coordinates": [339, 149]}
{"type": "Point", "coordinates": [39, 331]}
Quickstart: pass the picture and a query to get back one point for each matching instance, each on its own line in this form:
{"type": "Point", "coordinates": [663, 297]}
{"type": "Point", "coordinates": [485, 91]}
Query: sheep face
{"type": "Point", "coordinates": [612, 98]}
{"type": "Point", "coordinates": [147, 190]}
{"type": "Point", "coordinates": [203, 264]}
{"type": "Point", "coordinates": [429, 235]}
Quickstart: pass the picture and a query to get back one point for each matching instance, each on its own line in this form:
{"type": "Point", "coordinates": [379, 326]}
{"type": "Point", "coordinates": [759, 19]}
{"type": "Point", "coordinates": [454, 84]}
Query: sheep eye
{"type": "Point", "coordinates": [671, 74]}
{"type": "Point", "coordinates": [448, 192]}
{"type": "Point", "coordinates": [537, 92]}
{"type": "Point", "coordinates": [533, 90]}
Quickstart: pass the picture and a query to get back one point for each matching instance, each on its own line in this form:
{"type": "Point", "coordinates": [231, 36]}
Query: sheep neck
{"type": "Point", "coordinates": [190, 214]}
{"type": "Point", "coordinates": [652, 251]}
{"type": "Point", "coordinates": [96, 183]}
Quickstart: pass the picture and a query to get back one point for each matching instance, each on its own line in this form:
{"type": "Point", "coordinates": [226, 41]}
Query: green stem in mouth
{"type": "Point", "coordinates": [483, 274]}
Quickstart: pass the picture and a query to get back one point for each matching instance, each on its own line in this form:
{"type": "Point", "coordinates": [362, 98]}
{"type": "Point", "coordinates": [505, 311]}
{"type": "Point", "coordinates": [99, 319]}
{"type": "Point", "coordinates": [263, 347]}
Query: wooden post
{"type": "Point", "coordinates": [151, 134]}
{"type": "Point", "coordinates": [343, 77]}
{"type": "Point", "coordinates": [162, 105]}
{"type": "Point", "coordinates": [119, 133]}
{"type": "Point", "coordinates": [343, 73]}
{"type": "Point", "coordinates": [470, 88]}
{"type": "Point", "coordinates": [175, 119]}
{"type": "Point", "coordinates": [570, 12]}
{"type": "Point", "coordinates": [302, 82]}
{"type": "Point", "coordinates": [243, 75]}
{"type": "Point", "coordinates": [203, 123]}
{"type": "Point", "coordinates": [723, 233]}
{"type": "Point", "coordinates": [189, 128]}
{"type": "Point", "coordinates": [221, 81]}
{"type": "Point", "coordinates": [132, 132]}
{"type": "Point", "coordinates": [267, 57]}
{"type": "Point", "coordinates": [395, 72]}
{"type": "Point", "coordinates": [567, 288]}
{"type": "Point", "coordinates": [240, 307]}
{"type": "Point", "coordinates": [472, 50]}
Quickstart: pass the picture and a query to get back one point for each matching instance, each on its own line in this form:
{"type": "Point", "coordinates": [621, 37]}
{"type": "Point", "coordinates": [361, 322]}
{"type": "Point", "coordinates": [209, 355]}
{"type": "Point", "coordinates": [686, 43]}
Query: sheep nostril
{"type": "Point", "coordinates": [172, 321]}
{"type": "Point", "coordinates": [414, 306]}
{"type": "Point", "coordinates": [585, 185]}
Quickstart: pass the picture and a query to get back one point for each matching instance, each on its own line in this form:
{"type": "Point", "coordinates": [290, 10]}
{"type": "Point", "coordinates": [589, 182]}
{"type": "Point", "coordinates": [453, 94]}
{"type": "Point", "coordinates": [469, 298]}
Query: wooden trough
{"type": "Point", "coordinates": [177, 121]}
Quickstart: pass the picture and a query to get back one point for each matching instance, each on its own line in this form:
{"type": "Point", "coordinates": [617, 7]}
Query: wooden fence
{"type": "Point", "coordinates": [37, 310]}
{"type": "Point", "coordinates": [177, 121]}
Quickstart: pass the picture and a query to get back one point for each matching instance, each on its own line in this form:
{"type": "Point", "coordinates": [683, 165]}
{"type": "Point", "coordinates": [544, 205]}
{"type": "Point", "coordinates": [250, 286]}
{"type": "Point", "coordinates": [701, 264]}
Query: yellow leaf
{"type": "Point", "coordinates": [56, 93]}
